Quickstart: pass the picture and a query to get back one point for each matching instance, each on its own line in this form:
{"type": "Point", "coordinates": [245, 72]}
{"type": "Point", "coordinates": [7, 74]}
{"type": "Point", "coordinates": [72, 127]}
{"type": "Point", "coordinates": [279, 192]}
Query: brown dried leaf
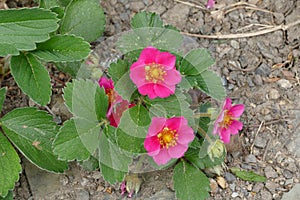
{"type": "Point", "coordinates": [222, 182]}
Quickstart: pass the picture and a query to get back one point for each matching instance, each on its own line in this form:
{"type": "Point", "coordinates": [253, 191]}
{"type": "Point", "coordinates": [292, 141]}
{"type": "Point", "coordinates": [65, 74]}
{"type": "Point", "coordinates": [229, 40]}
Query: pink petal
{"type": "Point", "coordinates": [106, 83]}
{"type": "Point", "coordinates": [177, 151]}
{"type": "Point", "coordinates": [147, 89]}
{"type": "Point", "coordinates": [227, 104]}
{"type": "Point", "coordinates": [173, 77]}
{"type": "Point", "coordinates": [156, 125]}
{"type": "Point", "coordinates": [152, 145]}
{"type": "Point", "coordinates": [237, 110]}
{"type": "Point", "coordinates": [174, 123]}
{"type": "Point", "coordinates": [225, 136]}
{"type": "Point", "coordinates": [148, 55]}
{"type": "Point", "coordinates": [185, 135]}
{"type": "Point", "coordinates": [210, 4]}
{"type": "Point", "coordinates": [162, 91]}
{"type": "Point", "coordinates": [235, 126]}
{"type": "Point", "coordinates": [162, 158]}
{"type": "Point", "coordinates": [137, 64]}
{"type": "Point", "coordinates": [166, 59]}
{"type": "Point", "coordinates": [137, 75]}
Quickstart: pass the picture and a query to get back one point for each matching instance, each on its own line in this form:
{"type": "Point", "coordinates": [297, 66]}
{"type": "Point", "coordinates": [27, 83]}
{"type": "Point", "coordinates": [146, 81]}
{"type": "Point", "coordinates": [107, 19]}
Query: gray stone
{"type": "Point", "coordinates": [263, 70]}
{"type": "Point", "coordinates": [177, 15]}
{"type": "Point", "coordinates": [287, 174]}
{"type": "Point", "coordinates": [274, 94]}
{"type": "Point", "coordinates": [234, 194]}
{"type": "Point", "coordinates": [229, 177]}
{"type": "Point", "coordinates": [235, 44]}
{"type": "Point", "coordinates": [265, 195]}
{"type": "Point", "coordinates": [284, 84]}
{"type": "Point", "coordinates": [294, 193]}
{"type": "Point", "coordinates": [288, 182]}
{"type": "Point", "coordinates": [164, 194]}
{"type": "Point", "coordinates": [42, 183]}
{"type": "Point", "coordinates": [260, 142]}
{"type": "Point", "coordinates": [270, 172]}
{"type": "Point", "coordinates": [82, 195]}
{"type": "Point", "coordinates": [271, 186]}
{"type": "Point", "coordinates": [250, 158]}
{"type": "Point", "coordinates": [136, 6]}
{"type": "Point", "coordinates": [257, 80]}
{"type": "Point", "coordinates": [257, 187]}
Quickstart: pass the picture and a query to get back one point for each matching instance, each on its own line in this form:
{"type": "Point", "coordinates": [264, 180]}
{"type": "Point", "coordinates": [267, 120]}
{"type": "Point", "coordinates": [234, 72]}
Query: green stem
{"type": "Point", "coordinates": [204, 134]}
{"type": "Point", "coordinates": [198, 115]}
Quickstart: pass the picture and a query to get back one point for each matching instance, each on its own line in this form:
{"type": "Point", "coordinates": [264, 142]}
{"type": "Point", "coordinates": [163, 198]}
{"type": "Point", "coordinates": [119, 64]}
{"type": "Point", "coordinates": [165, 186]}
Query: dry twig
{"type": "Point", "coordinates": [245, 35]}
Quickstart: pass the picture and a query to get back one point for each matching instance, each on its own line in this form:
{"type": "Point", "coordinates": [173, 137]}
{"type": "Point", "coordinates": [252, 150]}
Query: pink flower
{"type": "Point", "coordinates": [210, 4]}
{"type": "Point", "coordinates": [227, 123]}
{"type": "Point", "coordinates": [154, 73]}
{"type": "Point", "coordinates": [116, 105]}
{"type": "Point", "coordinates": [168, 138]}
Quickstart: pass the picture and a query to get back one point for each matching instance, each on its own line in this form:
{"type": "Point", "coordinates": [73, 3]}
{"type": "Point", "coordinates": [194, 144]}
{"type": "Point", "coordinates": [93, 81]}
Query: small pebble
{"type": "Point", "coordinates": [250, 158]}
{"type": "Point", "coordinates": [270, 172]}
{"type": "Point", "coordinates": [274, 94]}
{"type": "Point", "coordinates": [229, 177]}
{"type": "Point", "coordinates": [284, 83]}
{"type": "Point", "coordinates": [234, 195]}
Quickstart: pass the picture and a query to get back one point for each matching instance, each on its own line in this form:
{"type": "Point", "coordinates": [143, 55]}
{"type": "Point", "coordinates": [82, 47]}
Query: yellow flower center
{"type": "Point", "coordinates": [227, 120]}
{"type": "Point", "coordinates": [167, 138]}
{"type": "Point", "coordinates": [155, 72]}
{"type": "Point", "coordinates": [111, 95]}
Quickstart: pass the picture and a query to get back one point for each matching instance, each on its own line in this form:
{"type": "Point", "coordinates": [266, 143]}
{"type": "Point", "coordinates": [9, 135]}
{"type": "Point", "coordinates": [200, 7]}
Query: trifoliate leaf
{"type": "Point", "coordinates": [32, 77]}
{"type": "Point", "coordinates": [84, 18]}
{"type": "Point", "coordinates": [248, 175]}
{"type": "Point", "coordinates": [132, 130]}
{"type": "Point", "coordinates": [195, 62]}
{"type": "Point", "coordinates": [161, 38]}
{"type": "Point", "coordinates": [112, 160]}
{"type": "Point", "coordinates": [174, 105]}
{"type": "Point", "coordinates": [118, 69]}
{"type": "Point", "coordinates": [21, 29]}
{"type": "Point", "coordinates": [89, 105]}
{"type": "Point", "coordinates": [62, 48]}
{"type": "Point", "coordinates": [32, 131]}
{"type": "Point", "coordinates": [67, 144]}
{"type": "Point", "coordinates": [2, 97]}
{"type": "Point", "coordinates": [209, 83]}
{"type": "Point", "coordinates": [190, 182]}
{"type": "Point", "coordinates": [9, 166]}
{"type": "Point", "coordinates": [146, 19]}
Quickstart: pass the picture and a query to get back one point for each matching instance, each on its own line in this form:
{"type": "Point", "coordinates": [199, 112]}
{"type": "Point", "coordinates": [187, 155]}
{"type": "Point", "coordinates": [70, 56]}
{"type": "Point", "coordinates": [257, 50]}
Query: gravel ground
{"type": "Point", "coordinates": [261, 72]}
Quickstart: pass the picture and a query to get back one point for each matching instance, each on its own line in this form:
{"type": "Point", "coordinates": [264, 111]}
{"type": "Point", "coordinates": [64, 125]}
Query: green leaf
{"type": "Point", "coordinates": [209, 83]}
{"type": "Point", "coordinates": [89, 106]}
{"type": "Point", "coordinates": [161, 38]}
{"type": "Point", "coordinates": [196, 62]}
{"type": "Point", "coordinates": [146, 19]}
{"type": "Point", "coordinates": [76, 69]}
{"type": "Point", "coordinates": [9, 166]}
{"type": "Point", "coordinates": [68, 93]}
{"type": "Point", "coordinates": [113, 161]}
{"type": "Point", "coordinates": [2, 97]}
{"type": "Point", "coordinates": [84, 18]}
{"type": "Point", "coordinates": [20, 29]}
{"type": "Point", "coordinates": [174, 105]}
{"type": "Point", "coordinates": [248, 176]}
{"type": "Point", "coordinates": [67, 144]}
{"type": "Point", "coordinates": [49, 4]}
{"type": "Point", "coordinates": [32, 77]}
{"type": "Point", "coordinates": [9, 196]}
{"type": "Point", "coordinates": [132, 130]}
{"type": "Point", "coordinates": [62, 48]}
{"type": "Point", "coordinates": [32, 131]}
{"type": "Point", "coordinates": [91, 164]}
{"type": "Point", "coordinates": [125, 87]}
{"type": "Point", "coordinates": [118, 69]}
{"type": "Point", "coordinates": [190, 182]}
{"type": "Point", "coordinates": [6, 49]}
